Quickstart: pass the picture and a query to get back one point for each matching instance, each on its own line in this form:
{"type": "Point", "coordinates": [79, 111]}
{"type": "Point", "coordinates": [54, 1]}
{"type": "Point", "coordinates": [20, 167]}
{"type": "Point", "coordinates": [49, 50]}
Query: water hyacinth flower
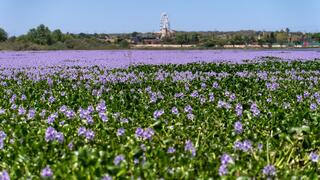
{"type": "Point", "coordinates": [118, 159]}
{"type": "Point", "coordinates": [226, 159]}
{"type": "Point", "coordinates": [106, 177]}
{"type": "Point", "coordinates": [269, 170]}
{"type": "Point", "coordinates": [239, 109]}
{"type": "Point", "coordinates": [190, 116]}
{"type": "Point", "coordinates": [189, 147]}
{"type": "Point", "coordinates": [175, 110]}
{"type": "Point", "coordinates": [81, 131]}
{"type": "Point", "coordinates": [158, 113]}
{"type": "Point", "coordinates": [299, 98]}
{"type": "Point", "coordinates": [31, 114]}
{"type": "Point", "coordinates": [313, 106]}
{"type": "Point", "coordinates": [314, 157]}
{"type": "Point", "coordinates": [89, 134]}
{"type": "Point", "coordinates": [254, 109]}
{"type": "Point", "coordinates": [171, 150]}
{"type": "Point", "coordinates": [238, 127]}
{"type": "Point", "coordinates": [59, 137]}
{"type": "Point", "coordinates": [223, 170]}
{"type": "Point", "coordinates": [21, 110]}
{"type": "Point", "coordinates": [70, 145]}
{"type": "Point", "coordinates": [50, 134]}
{"type": "Point", "coordinates": [188, 109]}
{"type": "Point", "coordinates": [46, 172]}
{"type": "Point", "coordinates": [120, 132]}
{"type": "Point", "coordinates": [145, 134]}
{"type": "Point", "coordinates": [4, 175]}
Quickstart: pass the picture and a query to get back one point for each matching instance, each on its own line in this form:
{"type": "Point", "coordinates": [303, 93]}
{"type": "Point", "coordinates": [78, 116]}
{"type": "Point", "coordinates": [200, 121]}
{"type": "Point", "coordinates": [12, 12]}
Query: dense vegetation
{"type": "Point", "coordinates": [167, 121]}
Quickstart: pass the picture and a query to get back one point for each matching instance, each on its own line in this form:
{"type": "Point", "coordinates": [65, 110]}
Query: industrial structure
{"type": "Point", "coordinates": [165, 30]}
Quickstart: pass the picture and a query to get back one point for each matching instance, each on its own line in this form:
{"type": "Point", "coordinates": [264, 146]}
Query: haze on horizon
{"type": "Point", "coordinates": [124, 16]}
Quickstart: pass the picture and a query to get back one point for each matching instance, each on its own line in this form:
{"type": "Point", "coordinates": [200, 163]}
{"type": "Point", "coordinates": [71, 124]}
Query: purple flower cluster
{"type": "Point", "coordinates": [269, 170]}
{"type": "Point", "coordinates": [314, 157]}
{"type": "Point", "coordinates": [225, 160]}
{"type": "Point", "coordinates": [118, 159]}
{"type": "Point", "coordinates": [190, 148]}
{"type": "Point", "coordinates": [145, 134]}
{"type": "Point", "coordinates": [244, 146]}
{"type": "Point", "coordinates": [238, 127]}
{"type": "Point", "coordinates": [87, 133]}
{"type": "Point", "coordinates": [239, 109]}
{"type": "Point", "coordinates": [158, 113]}
{"type": "Point", "coordinates": [4, 175]}
{"type": "Point", "coordinates": [254, 109]}
{"type": "Point", "coordinates": [3, 136]}
{"type": "Point", "coordinates": [52, 134]}
{"type": "Point", "coordinates": [120, 132]}
{"type": "Point", "coordinates": [46, 172]}
{"type": "Point", "coordinates": [171, 150]}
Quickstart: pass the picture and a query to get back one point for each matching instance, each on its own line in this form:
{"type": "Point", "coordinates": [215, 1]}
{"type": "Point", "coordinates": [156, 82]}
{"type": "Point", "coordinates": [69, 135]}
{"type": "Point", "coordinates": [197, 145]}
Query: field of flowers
{"type": "Point", "coordinates": [259, 119]}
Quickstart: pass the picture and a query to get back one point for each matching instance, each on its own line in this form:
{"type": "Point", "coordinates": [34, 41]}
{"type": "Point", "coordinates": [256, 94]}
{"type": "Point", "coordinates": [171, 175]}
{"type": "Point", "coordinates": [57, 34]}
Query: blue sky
{"type": "Point", "coordinates": [110, 16]}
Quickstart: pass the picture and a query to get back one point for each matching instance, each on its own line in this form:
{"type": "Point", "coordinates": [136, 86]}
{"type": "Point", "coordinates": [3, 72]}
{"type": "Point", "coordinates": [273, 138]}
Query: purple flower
{"type": "Point", "coordinates": [239, 109]}
{"type": "Point", "coordinates": [106, 177]}
{"type": "Point", "coordinates": [120, 132]}
{"type": "Point", "coordinates": [118, 159]}
{"type": "Point", "coordinates": [4, 175]}
{"type": "Point", "coordinates": [50, 134]}
{"type": "Point", "coordinates": [238, 127]}
{"type": "Point", "coordinates": [3, 135]}
{"type": "Point", "coordinates": [314, 157]}
{"type": "Point", "coordinates": [237, 145]}
{"type": "Point", "coordinates": [215, 85]}
{"type": "Point", "coordinates": [21, 110]}
{"type": "Point", "coordinates": [148, 133]}
{"type": "Point", "coordinates": [82, 131]}
{"type": "Point", "coordinates": [313, 106]}
{"type": "Point", "coordinates": [70, 145]}
{"type": "Point", "coordinates": [145, 134]}
{"type": "Point", "coordinates": [189, 147]}
{"type": "Point", "coordinates": [89, 134]}
{"type": "Point", "coordinates": [254, 109]}
{"type": "Point", "coordinates": [139, 132]}
{"type": "Point", "coordinates": [174, 110]}
{"type": "Point", "coordinates": [299, 98]}
{"type": "Point", "coordinates": [158, 113]}
{"type": "Point", "coordinates": [46, 172]}
{"type": "Point", "coordinates": [226, 159]}
{"type": "Point", "coordinates": [59, 137]}
{"type": "Point", "coordinates": [171, 150]}
{"type": "Point", "coordinates": [223, 170]}
{"type": "Point", "coordinates": [190, 116]}
{"type": "Point", "coordinates": [1, 143]}
{"type": "Point", "coordinates": [269, 170]}
{"type": "Point", "coordinates": [31, 113]}
{"type": "Point", "coordinates": [188, 109]}
{"type": "Point", "coordinates": [247, 145]}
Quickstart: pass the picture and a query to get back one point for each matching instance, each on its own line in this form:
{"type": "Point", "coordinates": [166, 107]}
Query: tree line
{"type": "Point", "coordinates": [42, 38]}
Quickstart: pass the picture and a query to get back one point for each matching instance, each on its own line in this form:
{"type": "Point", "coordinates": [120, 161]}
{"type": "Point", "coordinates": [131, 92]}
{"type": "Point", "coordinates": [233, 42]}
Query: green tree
{"type": "Point", "coordinates": [181, 38]}
{"type": "Point", "coordinates": [194, 38]}
{"type": "Point", "coordinates": [40, 35]}
{"type": "Point", "coordinates": [57, 36]}
{"type": "Point", "coordinates": [3, 35]}
{"type": "Point", "coordinates": [124, 43]}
